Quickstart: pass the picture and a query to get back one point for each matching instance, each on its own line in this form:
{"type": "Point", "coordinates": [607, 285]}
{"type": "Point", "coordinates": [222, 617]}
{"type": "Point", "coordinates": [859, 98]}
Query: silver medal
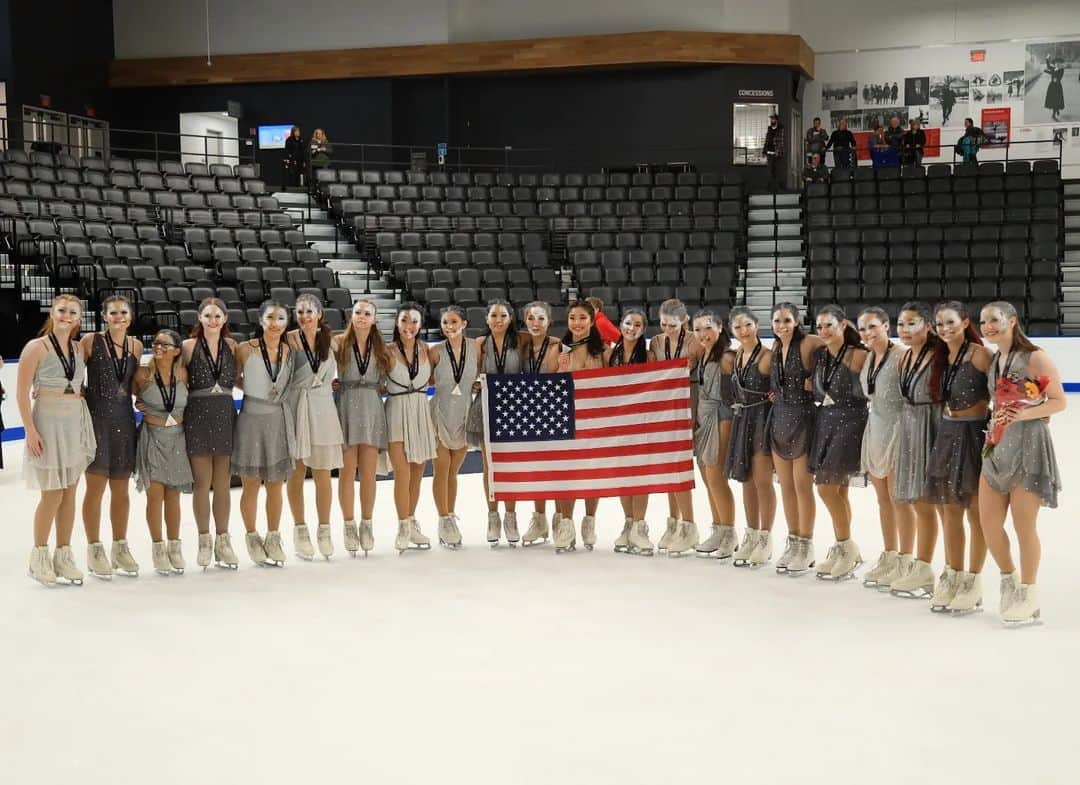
{"type": "Point", "coordinates": [170, 421]}
{"type": "Point", "coordinates": [828, 400]}
{"type": "Point", "coordinates": [316, 382]}
{"type": "Point", "coordinates": [216, 389]}
{"type": "Point", "coordinates": [69, 390]}
{"type": "Point", "coordinates": [456, 390]}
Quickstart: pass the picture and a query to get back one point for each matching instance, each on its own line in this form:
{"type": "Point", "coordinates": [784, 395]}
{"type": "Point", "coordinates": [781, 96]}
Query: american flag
{"type": "Point", "coordinates": [619, 431]}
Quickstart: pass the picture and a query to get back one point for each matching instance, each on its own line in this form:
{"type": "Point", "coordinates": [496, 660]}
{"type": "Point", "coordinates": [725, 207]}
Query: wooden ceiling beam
{"type": "Point", "coordinates": [661, 48]}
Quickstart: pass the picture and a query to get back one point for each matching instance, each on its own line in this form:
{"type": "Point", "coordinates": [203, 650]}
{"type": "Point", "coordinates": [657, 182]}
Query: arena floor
{"type": "Point", "coordinates": [522, 666]}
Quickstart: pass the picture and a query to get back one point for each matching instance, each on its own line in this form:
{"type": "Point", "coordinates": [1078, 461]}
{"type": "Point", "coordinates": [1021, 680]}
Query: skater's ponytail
{"type": "Point", "coordinates": [325, 335]}
{"type": "Point", "coordinates": [851, 335]}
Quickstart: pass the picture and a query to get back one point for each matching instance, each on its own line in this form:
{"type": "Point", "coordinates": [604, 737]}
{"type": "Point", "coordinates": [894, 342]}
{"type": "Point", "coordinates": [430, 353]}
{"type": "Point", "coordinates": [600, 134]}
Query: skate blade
{"type": "Point", "coordinates": [1033, 621]}
{"type": "Point", "coordinates": [589, 547]}
{"type": "Point", "coordinates": [178, 570]}
{"type": "Point", "coordinates": [870, 584]}
{"type": "Point", "coordinates": [781, 569]}
{"type": "Point", "coordinates": [642, 552]}
{"type": "Point", "coordinates": [224, 565]}
{"type": "Point", "coordinates": [913, 594]}
{"type": "Point", "coordinates": [513, 543]}
{"type": "Point", "coordinates": [939, 609]}
{"type": "Point", "coordinates": [797, 573]}
{"type": "Point", "coordinates": [958, 612]}
{"type": "Point", "coordinates": [301, 557]}
{"type": "Point", "coordinates": [163, 573]}
{"type": "Point", "coordinates": [452, 546]}
{"type": "Point", "coordinates": [273, 563]}
{"type": "Point", "coordinates": [706, 554]}
{"type": "Point", "coordinates": [571, 547]}
{"type": "Point", "coordinates": [102, 576]}
{"type": "Point", "coordinates": [740, 563]}
{"type": "Point", "coordinates": [825, 576]}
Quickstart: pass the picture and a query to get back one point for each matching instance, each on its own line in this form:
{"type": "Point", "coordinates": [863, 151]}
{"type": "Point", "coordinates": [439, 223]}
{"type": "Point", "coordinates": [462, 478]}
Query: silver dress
{"type": "Point", "coordinates": [713, 407]}
{"type": "Point", "coordinates": [791, 418]}
{"type": "Point", "coordinates": [836, 446]}
{"type": "Point", "coordinates": [309, 402]}
{"type": "Point", "coordinates": [1025, 455]}
{"type": "Point", "coordinates": [749, 423]}
{"type": "Point", "coordinates": [162, 451]}
{"type": "Point", "coordinates": [360, 405]}
{"type": "Point", "coordinates": [883, 423]}
{"type": "Point", "coordinates": [109, 401]}
{"type": "Point", "coordinates": [449, 412]}
{"type": "Point", "coordinates": [63, 422]}
{"type": "Point", "coordinates": [264, 438]}
{"type": "Point", "coordinates": [408, 414]}
{"type": "Point", "coordinates": [952, 473]}
{"type": "Point", "coordinates": [920, 418]}
{"type": "Point", "coordinates": [474, 426]}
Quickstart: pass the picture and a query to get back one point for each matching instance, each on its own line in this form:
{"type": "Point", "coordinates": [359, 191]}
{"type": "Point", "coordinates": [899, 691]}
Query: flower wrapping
{"type": "Point", "coordinates": [1013, 392]}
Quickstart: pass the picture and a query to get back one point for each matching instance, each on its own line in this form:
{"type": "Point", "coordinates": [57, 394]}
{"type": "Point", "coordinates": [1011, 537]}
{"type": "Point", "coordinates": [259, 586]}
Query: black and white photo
{"type": "Point", "coordinates": [854, 118]}
{"type": "Point", "coordinates": [917, 90]}
{"type": "Point", "coordinates": [872, 118]}
{"type": "Point", "coordinates": [879, 93]}
{"type": "Point", "coordinates": [839, 95]}
{"type": "Point", "coordinates": [1013, 85]}
{"type": "Point", "coordinates": [949, 98]}
{"type": "Point", "coordinates": [1051, 83]}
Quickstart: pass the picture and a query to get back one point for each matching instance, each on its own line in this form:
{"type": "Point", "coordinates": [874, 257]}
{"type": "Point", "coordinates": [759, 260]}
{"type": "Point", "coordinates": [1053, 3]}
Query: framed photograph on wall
{"type": "Point", "coordinates": [996, 125]}
{"type": "Point", "coordinates": [917, 90]}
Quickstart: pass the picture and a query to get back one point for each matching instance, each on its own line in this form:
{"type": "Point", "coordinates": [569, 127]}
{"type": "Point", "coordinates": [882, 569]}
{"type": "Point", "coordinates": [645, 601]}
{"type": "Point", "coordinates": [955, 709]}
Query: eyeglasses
{"type": "Point", "coordinates": [163, 345]}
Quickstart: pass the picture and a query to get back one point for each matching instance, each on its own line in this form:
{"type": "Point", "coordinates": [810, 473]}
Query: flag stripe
{"type": "Point", "coordinates": [587, 490]}
{"type": "Point", "coordinates": [617, 447]}
{"type": "Point", "coordinates": [644, 407]}
{"type": "Point", "coordinates": [634, 429]}
{"type": "Point", "coordinates": [614, 399]}
{"type": "Point", "coordinates": [607, 375]}
{"type": "Point", "coordinates": [629, 463]}
{"type": "Point", "coordinates": [587, 393]}
{"type": "Point", "coordinates": [598, 473]}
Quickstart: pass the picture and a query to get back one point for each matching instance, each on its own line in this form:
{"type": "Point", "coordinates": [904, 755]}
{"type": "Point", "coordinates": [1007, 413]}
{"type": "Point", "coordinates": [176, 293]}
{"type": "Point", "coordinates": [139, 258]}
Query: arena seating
{"type": "Point", "coordinates": [971, 232]}
{"type": "Point", "coordinates": [172, 233]}
{"type": "Point", "coordinates": [629, 238]}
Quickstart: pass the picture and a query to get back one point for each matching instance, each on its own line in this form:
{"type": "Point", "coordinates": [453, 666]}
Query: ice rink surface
{"type": "Point", "coordinates": [521, 666]}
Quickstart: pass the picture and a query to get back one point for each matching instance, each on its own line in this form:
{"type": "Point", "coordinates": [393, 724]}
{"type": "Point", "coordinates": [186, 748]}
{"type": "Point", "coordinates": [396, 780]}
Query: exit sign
{"type": "Point", "coordinates": [978, 55]}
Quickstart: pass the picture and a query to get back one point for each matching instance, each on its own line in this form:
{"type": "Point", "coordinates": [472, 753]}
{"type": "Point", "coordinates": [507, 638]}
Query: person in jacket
{"type": "Point", "coordinates": [914, 144]}
{"type": "Point", "coordinates": [773, 150]}
{"type": "Point", "coordinates": [817, 138]}
{"type": "Point", "coordinates": [968, 146]}
{"type": "Point", "coordinates": [319, 151]}
{"type": "Point", "coordinates": [894, 135]}
{"type": "Point", "coordinates": [842, 143]}
{"type": "Point", "coordinates": [815, 171]}
{"type": "Point", "coordinates": [295, 158]}
{"type": "Point", "coordinates": [608, 331]}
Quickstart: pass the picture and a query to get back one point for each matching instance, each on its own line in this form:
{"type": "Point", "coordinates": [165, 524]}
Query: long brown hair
{"type": "Point", "coordinates": [1020, 340]}
{"type": "Point", "coordinates": [47, 328]}
{"type": "Point", "coordinates": [594, 343]}
{"type": "Point", "coordinates": [197, 330]}
{"type": "Point", "coordinates": [325, 334]}
{"type": "Point", "coordinates": [378, 345]}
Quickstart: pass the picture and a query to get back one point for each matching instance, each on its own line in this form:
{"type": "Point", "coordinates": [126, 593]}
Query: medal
{"type": "Point", "coordinates": [500, 359]}
{"type": "Point", "coordinates": [828, 401]}
{"type": "Point", "coordinates": [678, 346]}
{"type": "Point", "coordinates": [316, 382]}
{"type": "Point", "coordinates": [66, 361]}
{"type": "Point", "coordinates": [362, 363]}
{"type": "Point", "coordinates": [830, 366]}
{"type": "Point", "coordinates": [909, 372]}
{"type": "Point", "coordinates": [216, 389]}
{"type": "Point", "coordinates": [872, 374]}
{"type": "Point", "coordinates": [273, 374]}
{"type": "Point", "coordinates": [168, 398]}
{"type": "Point", "coordinates": [215, 365]}
{"type": "Point", "coordinates": [170, 420]}
{"type": "Point", "coordinates": [535, 360]}
{"type": "Point", "coordinates": [119, 363]}
{"type": "Point", "coordinates": [950, 377]}
{"type": "Point", "coordinates": [414, 363]}
{"type": "Point", "coordinates": [457, 367]}
{"type": "Point", "coordinates": [312, 360]}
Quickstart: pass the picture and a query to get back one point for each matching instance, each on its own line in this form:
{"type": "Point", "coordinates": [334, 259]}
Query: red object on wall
{"type": "Point", "coordinates": [997, 126]}
{"type": "Point", "coordinates": [978, 55]}
{"type": "Point", "coordinates": [932, 149]}
{"type": "Point", "coordinates": [46, 100]}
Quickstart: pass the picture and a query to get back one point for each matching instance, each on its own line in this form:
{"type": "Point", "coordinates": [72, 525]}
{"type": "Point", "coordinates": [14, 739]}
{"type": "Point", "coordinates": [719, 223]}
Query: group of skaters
{"type": "Point", "coordinates": [819, 413]}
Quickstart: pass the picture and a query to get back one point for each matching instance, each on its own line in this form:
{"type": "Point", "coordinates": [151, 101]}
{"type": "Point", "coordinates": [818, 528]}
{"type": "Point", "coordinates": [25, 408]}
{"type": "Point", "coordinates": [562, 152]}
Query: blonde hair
{"type": "Point", "coordinates": [47, 328]}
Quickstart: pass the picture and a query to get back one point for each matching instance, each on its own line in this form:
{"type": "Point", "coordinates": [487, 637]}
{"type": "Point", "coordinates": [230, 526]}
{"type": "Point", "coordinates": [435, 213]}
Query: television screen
{"type": "Point", "coordinates": [272, 137]}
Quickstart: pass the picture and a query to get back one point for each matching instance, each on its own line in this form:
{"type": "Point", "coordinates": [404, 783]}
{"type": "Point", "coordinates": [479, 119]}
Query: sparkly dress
{"type": "Point", "coordinates": [63, 422]}
{"type": "Point", "coordinates": [360, 404]}
{"type": "Point", "coordinates": [1025, 455]}
{"type": "Point", "coordinates": [952, 473]}
{"type": "Point", "coordinates": [162, 452]}
{"type": "Point", "coordinates": [664, 350]}
{"type": "Point", "coordinates": [309, 402]}
{"type": "Point", "coordinates": [920, 418]}
{"type": "Point", "coordinates": [264, 438]}
{"type": "Point", "coordinates": [791, 418]}
{"type": "Point", "coordinates": [449, 412]}
{"type": "Point", "coordinates": [210, 416]}
{"type": "Point", "coordinates": [474, 427]}
{"type": "Point", "coordinates": [713, 407]}
{"type": "Point", "coordinates": [749, 423]}
{"type": "Point", "coordinates": [109, 401]}
{"type": "Point", "coordinates": [883, 423]}
{"type": "Point", "coordinates": [408, 414]}
{"type": "Point", "coordinates": [836, 446]}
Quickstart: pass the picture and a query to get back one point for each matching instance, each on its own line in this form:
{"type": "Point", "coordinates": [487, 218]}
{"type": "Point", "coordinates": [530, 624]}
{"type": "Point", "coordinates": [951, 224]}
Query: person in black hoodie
{"type": "Point", "coordinates": [295, 158]}
{"type": "Point", "coordinates": [842, 143]}
{"type": "Point", "coordinates": [914, 144]}
{"type": "Point", "coordinates": [773, 150]}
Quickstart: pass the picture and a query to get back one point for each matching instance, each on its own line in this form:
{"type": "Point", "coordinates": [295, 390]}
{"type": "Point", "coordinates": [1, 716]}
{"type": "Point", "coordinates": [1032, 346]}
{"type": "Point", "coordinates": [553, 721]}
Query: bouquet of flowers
{"type": "Point", "coordinates": [1011, 393]}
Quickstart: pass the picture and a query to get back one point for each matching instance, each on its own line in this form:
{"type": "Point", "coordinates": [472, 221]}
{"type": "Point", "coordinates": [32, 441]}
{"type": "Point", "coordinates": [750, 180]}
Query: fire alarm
{"type": "Point", "coordinates": [978, 55]}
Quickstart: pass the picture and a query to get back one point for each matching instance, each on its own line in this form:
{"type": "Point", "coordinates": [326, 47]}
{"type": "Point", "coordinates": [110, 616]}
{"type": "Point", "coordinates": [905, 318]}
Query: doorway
{"type": "Point", "coordinates": [209, 138]}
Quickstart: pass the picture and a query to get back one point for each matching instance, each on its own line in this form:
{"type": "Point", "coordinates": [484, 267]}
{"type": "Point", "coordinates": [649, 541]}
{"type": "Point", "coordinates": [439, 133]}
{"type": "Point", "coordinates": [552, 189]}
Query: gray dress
{"type": "Point", "coordinates": [109, 401]}
{"type": "Point", "coordinates": [836, 447]}
{"type": "Point", "coordinates": [360, 405]}
{"type": "Point", "coordinates": [264, 438]}
{"type": "Point", "coordinates": [750, 422]}
{"type": "Point", "coordinates": [920, 418]}
{"type": "Point", "coordinates": [408, 414]}
{"type": "Point", "coordinates": [956, 460]}
{"type": "Point", "coordinates": [449, 412]}
{"type": "Point", "coordinates": [63, 422]}
{"type": "Point", "coordinates": [1025, 455]}
{"type": "Point", "coordinates": [210, 416]}
{"type": "Point", "coordinates": [883, 423]}
{"type": "Point", "coordinates": [161, 455]}
{"type": "Point", "coordinates": [309, 402]}
{"type": "Point", "coordinates": [791, 418]}
{"type": "Point", "coordinates": [474, 426]}
{"type": "Point", "coordinates": [713, 407]}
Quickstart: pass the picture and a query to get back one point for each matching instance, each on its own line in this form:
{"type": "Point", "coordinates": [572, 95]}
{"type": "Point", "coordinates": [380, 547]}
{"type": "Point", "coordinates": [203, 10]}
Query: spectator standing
{"type": "Point", "coordinates": [894, 135]}
{"type": "Point", "coordinates": [295, 158]}
{"type": "Point", "coordinates": [320, 151]}
{"type": "Point", "coordinates": [842, 143]}
{"type": "Point", "coordinates": [815, 171]}
{"type": "Point", "coordinates": [914, 144]}
{"type": "Point", "coordinates": [970, 142]}
{"type": "Point", "coordinates": [881, 152]}
{"type": "Point", "coordinates": [773, 151]}
{"type": "Point", "coordinates": [608, 331]}
{"type": "Point", "coordinates": [817, 139]}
